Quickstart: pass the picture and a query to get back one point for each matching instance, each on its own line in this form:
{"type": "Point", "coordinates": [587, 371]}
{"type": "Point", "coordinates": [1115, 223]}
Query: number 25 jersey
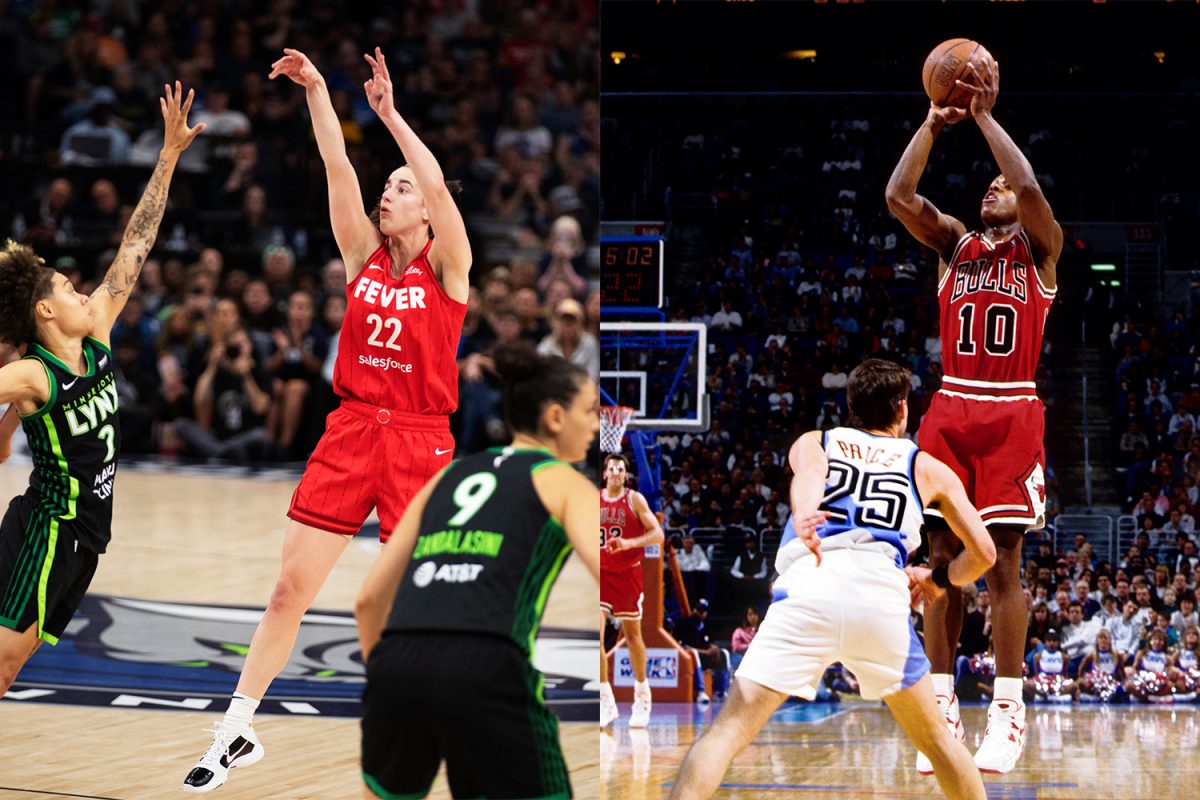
{"type": "Point", "coordinates": [871, 496]}
{"type": "Point", "coordinates": [399, 338]}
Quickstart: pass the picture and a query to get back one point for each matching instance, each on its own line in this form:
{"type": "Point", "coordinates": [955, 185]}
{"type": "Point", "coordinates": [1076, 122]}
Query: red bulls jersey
{"type": "Point", "coordinates": [993, 312]}
{"type": "Point", "coordinates": [618, 519]}
{"type": "Point", "coordinates": [399, 338]}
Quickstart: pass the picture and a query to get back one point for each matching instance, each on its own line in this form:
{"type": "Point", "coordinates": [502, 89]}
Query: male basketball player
{"type": "Point", "coordinates": [627, 526]}
{"type": "Point", "coordinates": [995, 287]}
{"type": "Point", "coordinates": [843, 592]}
{"type": "Point", "coordinates": [395, 372]}
{"type": "Point", "coordinates": [65, 391]}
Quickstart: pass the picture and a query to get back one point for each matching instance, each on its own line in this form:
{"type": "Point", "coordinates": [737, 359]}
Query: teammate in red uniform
{"type": "Point", "coordinates": [995, 287]}
{"type": "Point", "coordinates": [627, 525]}
{"type": "Point", "coordinates": [396, 375]}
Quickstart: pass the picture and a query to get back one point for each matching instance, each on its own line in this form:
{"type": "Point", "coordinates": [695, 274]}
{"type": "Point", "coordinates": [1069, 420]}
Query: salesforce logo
{"type": "Point", "coordinates": [423, 576]}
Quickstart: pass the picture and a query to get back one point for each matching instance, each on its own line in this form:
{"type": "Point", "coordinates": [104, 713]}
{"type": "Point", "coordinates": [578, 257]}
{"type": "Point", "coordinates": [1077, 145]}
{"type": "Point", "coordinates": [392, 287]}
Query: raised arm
{"type": "Point", "coordinates": [355, 234]}
{"type": "Point", "coordinates": [940, 487]}
{"type": "Point", "coordinates": [919, 216]}
{"type": "Point", "coordinates": [1033, 211]}
{"type": "Point", "coordinates": [112, 294]}
{"type": "Point", "coordinates": [451, 251]}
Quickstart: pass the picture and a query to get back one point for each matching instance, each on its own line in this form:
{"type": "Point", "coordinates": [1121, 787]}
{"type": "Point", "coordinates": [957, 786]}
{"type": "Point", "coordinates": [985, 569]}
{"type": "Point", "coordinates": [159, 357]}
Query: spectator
{"type": "Point", "coordinates": [569, 339]}
{"type": "Point", "coordinates": [1126, 630]}
{"type": "Point", "coordinates": [231, 399]}
{"type": "Point", "coordinates": [97, 140]}
{"type": "Point", "coordinates": [295, 366]}
{"type": "Point", "coordinates": [707, 655]}
{"type": "Point", "coordinates": [1077, 636]}
{"type": "Point", "coordinates": [743, 635]}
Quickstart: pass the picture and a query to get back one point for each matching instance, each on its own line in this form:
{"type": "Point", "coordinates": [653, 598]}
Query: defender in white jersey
{"type": "Point", "coordinates": [843, 592]}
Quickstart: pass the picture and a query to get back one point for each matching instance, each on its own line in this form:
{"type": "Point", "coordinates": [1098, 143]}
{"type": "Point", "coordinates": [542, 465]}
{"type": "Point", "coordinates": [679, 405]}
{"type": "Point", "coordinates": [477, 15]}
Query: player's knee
{"type": "Point", "coordinates": [290, 596]}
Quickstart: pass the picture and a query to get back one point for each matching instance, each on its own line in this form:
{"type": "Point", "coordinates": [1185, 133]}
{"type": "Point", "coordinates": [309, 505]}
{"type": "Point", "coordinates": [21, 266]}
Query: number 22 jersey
{"type": "Point", "coordinates": [399, 338]}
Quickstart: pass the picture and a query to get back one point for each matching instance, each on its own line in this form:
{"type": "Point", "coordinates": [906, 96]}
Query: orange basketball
{"type": "Point", "coordinates": [947, 63]}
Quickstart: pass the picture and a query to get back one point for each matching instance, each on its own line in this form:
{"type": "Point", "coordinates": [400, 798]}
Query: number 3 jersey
{"type": "Point", "coordinates": [74, 438]}
{"type": "Point", "coordinates": [399, 338]}
{"type": "Point", "coordinates": [871, 496]}
{"type": "Point", "coordinates": [993, 313]}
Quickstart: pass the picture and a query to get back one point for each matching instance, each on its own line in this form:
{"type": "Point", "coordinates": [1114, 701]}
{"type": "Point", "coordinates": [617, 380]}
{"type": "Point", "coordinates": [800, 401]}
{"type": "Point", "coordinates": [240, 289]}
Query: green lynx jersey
{"type": "Point", "coordinates": [487, 551]}
{"type": "Point", "coordinates": [74, 438]}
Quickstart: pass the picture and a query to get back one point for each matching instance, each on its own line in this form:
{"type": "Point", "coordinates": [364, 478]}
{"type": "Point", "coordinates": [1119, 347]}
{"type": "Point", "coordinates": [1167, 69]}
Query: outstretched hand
{"type": "Point", "coordinates": [379, 87]}
{"type": "Point", "coordinates": [984, 86]}
{"type": "Point", "coordinates": [176, 133]}
{"type": "Point", "coordinates": [295, 66]}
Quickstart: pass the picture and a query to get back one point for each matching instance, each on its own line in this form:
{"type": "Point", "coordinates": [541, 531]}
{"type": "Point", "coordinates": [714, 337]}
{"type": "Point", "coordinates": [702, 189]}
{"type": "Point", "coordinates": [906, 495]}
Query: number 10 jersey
{"type": "Point", "coordinates": [399, 339]}
{"type": "Point", "coordinates": [871, 496]}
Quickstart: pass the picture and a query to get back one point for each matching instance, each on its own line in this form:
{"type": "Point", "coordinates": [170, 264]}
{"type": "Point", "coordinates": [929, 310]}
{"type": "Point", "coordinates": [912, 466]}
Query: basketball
{"type": "Point", "coordinates": [947, 63]}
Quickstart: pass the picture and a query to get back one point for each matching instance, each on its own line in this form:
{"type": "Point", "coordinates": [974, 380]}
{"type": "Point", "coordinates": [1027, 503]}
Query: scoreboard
{"type": "Point", "coordinates": [631, 272]}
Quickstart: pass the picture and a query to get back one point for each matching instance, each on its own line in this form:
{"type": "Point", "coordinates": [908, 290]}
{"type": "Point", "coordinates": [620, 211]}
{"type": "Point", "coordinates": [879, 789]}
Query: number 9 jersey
{"type": "Point", "coordinates": [399, 339]}
{"type": "Point", "coordinates": [871, 496]}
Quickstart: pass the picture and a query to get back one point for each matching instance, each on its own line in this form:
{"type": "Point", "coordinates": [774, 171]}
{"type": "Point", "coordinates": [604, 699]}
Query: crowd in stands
{"type": "Point", "coordinates": [227, 348]}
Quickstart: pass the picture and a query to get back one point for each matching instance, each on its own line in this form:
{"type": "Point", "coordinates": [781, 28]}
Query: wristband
{"type": "Point", "coordinates": [941, 576]}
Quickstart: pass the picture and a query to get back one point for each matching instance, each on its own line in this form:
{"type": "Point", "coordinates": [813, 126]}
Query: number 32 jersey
{"type": "Point", "coordinates": [399, 338]}
{"type": "Point", "coordinates": [871, 496]}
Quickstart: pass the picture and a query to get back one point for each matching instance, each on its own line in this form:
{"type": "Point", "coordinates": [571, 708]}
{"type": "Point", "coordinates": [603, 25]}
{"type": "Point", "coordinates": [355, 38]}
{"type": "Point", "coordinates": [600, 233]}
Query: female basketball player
{"type": "Point", "coordinates": [395, 372]}
{"type": "Point", "coordinates": [65, 391]}
{"type": "Point", "coordinates": [466, 576]}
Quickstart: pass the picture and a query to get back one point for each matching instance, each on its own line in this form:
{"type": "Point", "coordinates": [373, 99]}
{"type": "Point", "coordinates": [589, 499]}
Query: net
{"type": "Point", "coordinates": [613, 420]}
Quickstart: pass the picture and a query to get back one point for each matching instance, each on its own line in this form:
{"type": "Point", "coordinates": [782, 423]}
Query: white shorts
{"type": "Point", "coordinates": [853, 609]}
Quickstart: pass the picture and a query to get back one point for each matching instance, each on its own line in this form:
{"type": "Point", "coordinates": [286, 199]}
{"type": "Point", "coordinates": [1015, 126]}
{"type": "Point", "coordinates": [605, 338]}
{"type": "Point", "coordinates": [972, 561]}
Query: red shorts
{"type": "Point", "coordinates": [995, 448]}
{"type": "Point", "coordinates": [369, 457]}
{"type": "Point", "coordinates": [621, 592]}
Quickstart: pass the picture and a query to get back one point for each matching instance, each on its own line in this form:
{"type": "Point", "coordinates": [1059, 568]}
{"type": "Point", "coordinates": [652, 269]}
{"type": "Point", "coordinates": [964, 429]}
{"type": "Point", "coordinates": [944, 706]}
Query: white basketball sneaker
{"type": "Point", "coordinates": [608, 706]}
{"type": "Point", "coordinates": [949, 709]}
{"type": "Point", "coordinates": [1004, 738]}
{"type": "Point", "coordinates": [640, 717]}
{"type": "Point", "coordinates": [230, 748]}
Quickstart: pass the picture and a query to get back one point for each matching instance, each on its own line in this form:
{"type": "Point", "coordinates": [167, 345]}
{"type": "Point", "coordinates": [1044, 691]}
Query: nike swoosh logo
{"type": "Point", "coordinates": [437, 451]}
{"type": "Point", "coordinates": [230, 757]}
{"type": "Point", "coordinates": [69, 385]}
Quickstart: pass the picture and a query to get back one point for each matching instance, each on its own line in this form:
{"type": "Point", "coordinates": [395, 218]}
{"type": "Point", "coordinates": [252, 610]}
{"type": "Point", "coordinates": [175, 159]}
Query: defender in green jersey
{"type": "Point", "coordinates": [63, 393]}
{"type": "Point", "coordinates": [458, 594]}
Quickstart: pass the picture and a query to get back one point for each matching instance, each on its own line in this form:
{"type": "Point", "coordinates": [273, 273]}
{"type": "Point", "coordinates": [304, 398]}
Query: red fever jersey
{"type": "Point", "coordinates": [618, 519]}
{"type": "Point", "coordinates": [993, 313]}
{"type": "Point", "coordinates": [399, 339]}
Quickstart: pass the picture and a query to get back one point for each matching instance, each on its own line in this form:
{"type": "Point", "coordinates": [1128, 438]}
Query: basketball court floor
{"type": "Point", "coordinates": [822, 751]}
{"type": "Point", "coordinates": [120, 709]}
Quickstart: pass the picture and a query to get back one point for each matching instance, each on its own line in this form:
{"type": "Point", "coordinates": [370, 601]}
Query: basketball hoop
{"type": "Point", "coordinates": [613, 420]}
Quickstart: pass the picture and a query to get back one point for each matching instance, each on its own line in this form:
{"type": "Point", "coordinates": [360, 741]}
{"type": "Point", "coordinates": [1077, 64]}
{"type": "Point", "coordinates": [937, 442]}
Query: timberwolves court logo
{"type": "Point", "coordinates": [137, 653]}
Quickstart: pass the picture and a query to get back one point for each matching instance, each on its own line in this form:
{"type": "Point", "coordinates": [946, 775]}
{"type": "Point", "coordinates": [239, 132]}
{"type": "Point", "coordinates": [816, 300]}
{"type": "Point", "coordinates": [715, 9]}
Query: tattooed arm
{"type": "Point", "coordinates": [110, 297]}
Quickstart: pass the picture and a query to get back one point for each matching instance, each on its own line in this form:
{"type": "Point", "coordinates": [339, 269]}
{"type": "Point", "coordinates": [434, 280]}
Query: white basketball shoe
{"type": "Point", "coordinates": [640, 716]}
{"type": "Point", "coordinates": [1004, 738]}
{"type": "Point", "coordinates": [949, 708]}
{"type": "Point", "coordinates": [608, 706]}
{"type": "Point", "coordinates": [231, 747]}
